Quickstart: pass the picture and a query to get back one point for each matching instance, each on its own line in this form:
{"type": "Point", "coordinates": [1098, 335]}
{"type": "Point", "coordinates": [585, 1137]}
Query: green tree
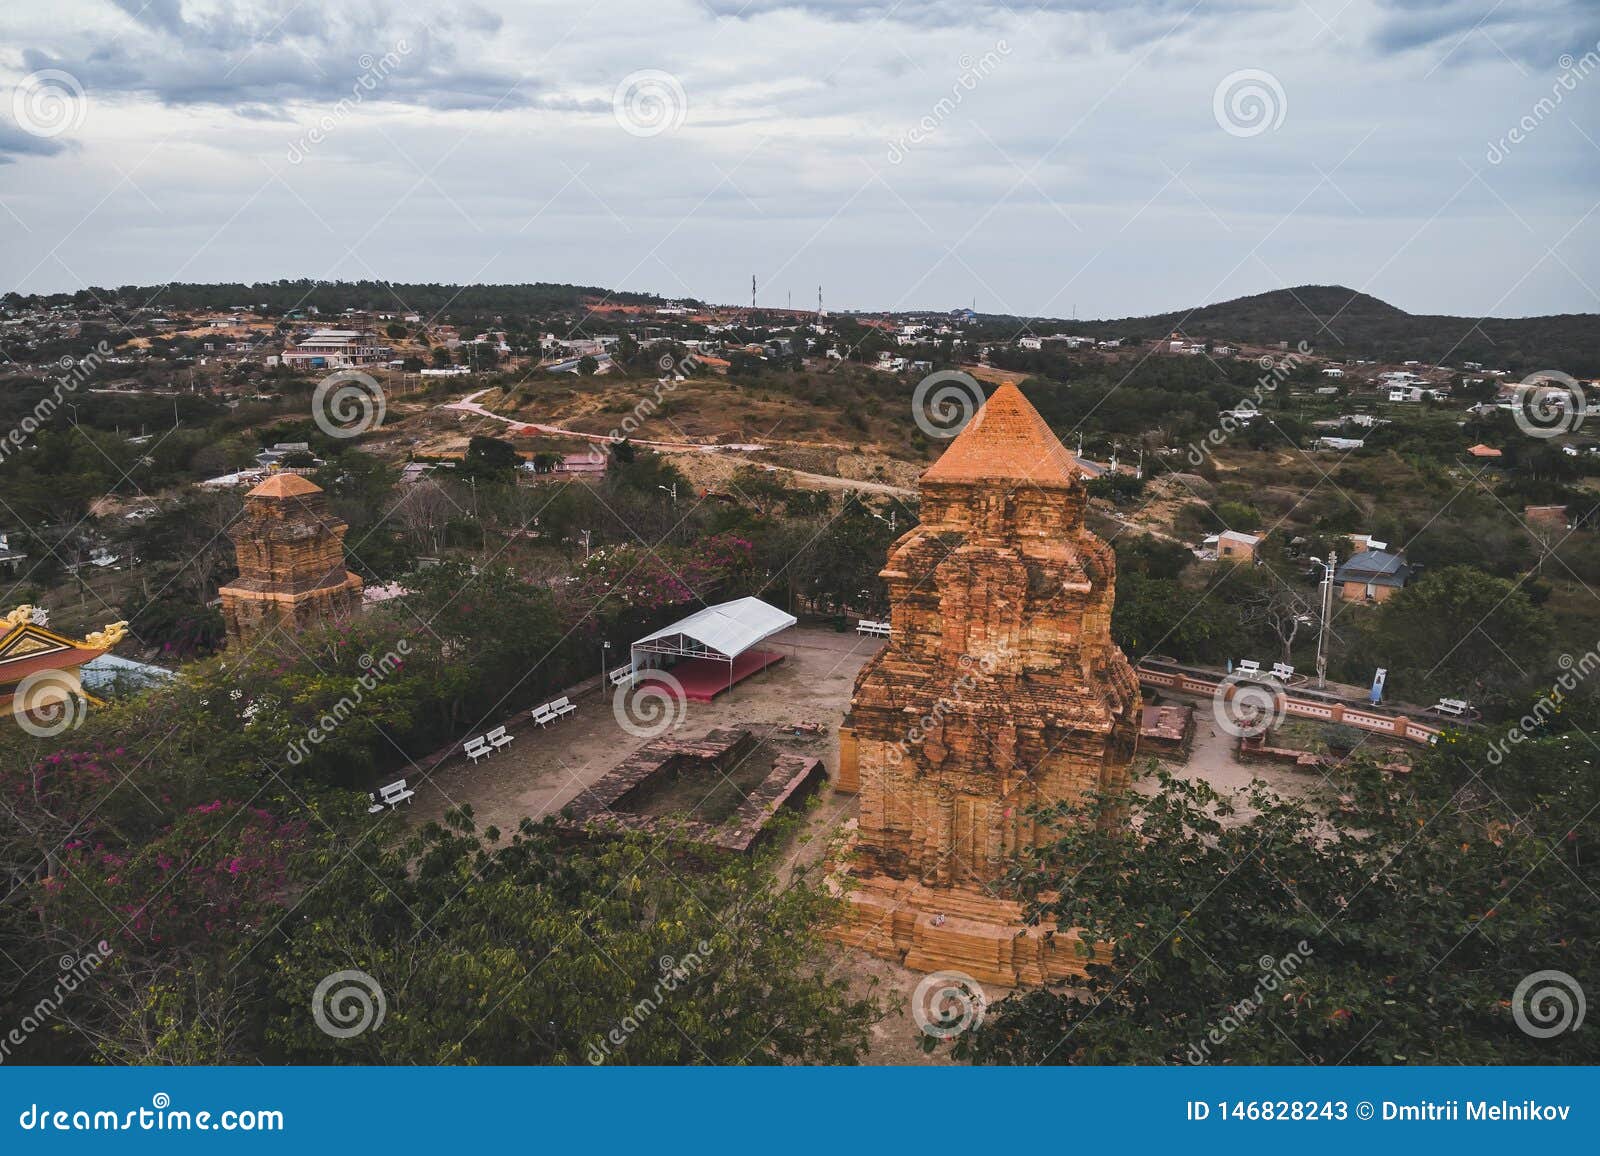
{"type": "Point", "coordinates": [1458, 630]}
{"type": "Point", "coordinates": [490, 460]}
{"type": "Point", "coordinates": [1392, 925]}
{"type": "Point", "coordinates": [620, 953]}
{"type": "Point", "coordinates": [1163, 616]}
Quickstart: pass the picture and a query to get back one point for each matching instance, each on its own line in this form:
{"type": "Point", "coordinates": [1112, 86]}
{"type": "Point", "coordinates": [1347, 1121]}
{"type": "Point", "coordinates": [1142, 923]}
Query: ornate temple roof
{"type": "Point", "coordinates": [1006, 441]}
{"type": "Point", "coordinates": [284, 485]}
{"type": "Point", "coordinates": [27, 648]}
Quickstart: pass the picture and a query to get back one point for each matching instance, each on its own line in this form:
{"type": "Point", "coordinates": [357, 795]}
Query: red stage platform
{"type": "Point", "coordinates": [703, 679]}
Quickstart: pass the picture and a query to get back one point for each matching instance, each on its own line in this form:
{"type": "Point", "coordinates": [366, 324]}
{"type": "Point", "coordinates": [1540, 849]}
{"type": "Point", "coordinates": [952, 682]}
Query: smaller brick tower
{"type": "Point", "coordinates": [291, 562]}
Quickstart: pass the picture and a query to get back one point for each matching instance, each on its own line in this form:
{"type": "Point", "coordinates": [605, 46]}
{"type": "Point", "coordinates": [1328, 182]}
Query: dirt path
{"type": "Point", "coordinates": [831, 482]}
{"type": "Point", "coordinates": [469, 404]}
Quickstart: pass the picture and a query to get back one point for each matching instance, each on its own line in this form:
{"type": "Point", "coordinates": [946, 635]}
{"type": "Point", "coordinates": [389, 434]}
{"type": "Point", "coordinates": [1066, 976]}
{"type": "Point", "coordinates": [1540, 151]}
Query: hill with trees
{"type": "Point", "coordinates": [1335, 320]}
{"type": "Point", "coordinates": [337, 296]}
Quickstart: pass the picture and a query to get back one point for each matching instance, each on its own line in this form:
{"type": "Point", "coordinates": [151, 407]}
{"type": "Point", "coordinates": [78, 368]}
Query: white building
{"type": "Point", "coordinates": [336, 349]}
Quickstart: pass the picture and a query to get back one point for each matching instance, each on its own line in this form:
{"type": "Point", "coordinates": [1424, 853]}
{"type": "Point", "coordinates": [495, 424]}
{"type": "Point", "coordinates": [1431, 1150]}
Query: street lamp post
{"type": "Point", "coordinates": [1325, 601]}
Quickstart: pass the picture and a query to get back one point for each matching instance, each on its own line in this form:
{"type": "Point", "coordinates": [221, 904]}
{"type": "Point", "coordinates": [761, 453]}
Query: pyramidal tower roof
{"type": "Point", "coordinates": [1007, 440]}
{"type": "Point", "coordinates": [284, 485]}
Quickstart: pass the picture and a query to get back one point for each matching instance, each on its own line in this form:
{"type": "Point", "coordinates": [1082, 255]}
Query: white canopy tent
{"type": "Point", "coordinates": [719, 633]}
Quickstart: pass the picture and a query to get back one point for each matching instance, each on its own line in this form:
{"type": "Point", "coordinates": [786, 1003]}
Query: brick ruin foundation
{"type": "Point", "coordinates": [1000, 688]}
{"type": "Point", "coordinates": [636, 795]}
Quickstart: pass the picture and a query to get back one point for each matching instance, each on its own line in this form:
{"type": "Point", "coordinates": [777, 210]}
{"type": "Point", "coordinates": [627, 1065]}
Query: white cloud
{"type": "Point", "coordinates": [1080, 166]}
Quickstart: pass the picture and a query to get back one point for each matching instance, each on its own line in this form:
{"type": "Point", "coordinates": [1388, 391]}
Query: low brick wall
{"type": "Point", "coordinates": [1363, 717]}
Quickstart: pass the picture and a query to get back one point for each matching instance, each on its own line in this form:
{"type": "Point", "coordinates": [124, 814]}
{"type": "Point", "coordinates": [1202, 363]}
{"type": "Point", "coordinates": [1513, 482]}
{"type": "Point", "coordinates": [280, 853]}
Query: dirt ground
{"type": "Point", "coordinates": [544, 769]}
{"type": "Point", "coordinates": [1211, 758]}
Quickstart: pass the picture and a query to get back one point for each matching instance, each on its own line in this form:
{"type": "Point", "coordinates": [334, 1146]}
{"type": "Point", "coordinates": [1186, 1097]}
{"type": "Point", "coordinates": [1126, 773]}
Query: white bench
{"type": "Point", "coordinates": [550, 711]}
{"type": "Point", "coordinates": [1282, 671]}
{"type": "Point", "coordinates": [395, 794]}
{"type": "Point", "coordinates": [1249, 667]}
{"type": "Point", "coordinates": [621, 675]}
{"type": "Point", "coordinates": [869, 627]}
{"type": "Point", "coordinates": [1455, 706]}
{"type": "Point", "coordinates": [477, 748]}
{"type": "Point", "coordinates": [498, 738]}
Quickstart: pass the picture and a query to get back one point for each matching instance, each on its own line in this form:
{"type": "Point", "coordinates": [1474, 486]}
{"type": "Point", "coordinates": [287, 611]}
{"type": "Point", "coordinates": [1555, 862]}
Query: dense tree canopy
{"type": "Point", "coordinates": [1386, 920]}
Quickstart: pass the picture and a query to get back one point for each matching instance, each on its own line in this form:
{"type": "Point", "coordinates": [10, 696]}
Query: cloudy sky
{"type": "Point", "coordinates": [1096, 157]}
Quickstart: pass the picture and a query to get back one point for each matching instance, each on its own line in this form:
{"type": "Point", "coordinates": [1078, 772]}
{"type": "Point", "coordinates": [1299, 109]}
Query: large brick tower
{"type": "Point", "coordinates": [1000, 688]}
{"type": "Point", "coordinates": [291, 562]}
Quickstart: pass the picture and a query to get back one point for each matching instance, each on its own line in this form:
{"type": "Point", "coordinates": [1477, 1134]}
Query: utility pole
{"type": "Point", "coordinates": [1327, 611]}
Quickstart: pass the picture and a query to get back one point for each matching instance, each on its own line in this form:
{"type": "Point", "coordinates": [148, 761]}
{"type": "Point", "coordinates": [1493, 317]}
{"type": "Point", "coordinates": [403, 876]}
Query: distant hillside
{"type": "Point", "coordinates": [1362, 326]}
{"type": "Point", "coordinates": [1357, 325]}
{"type": "Point", "coordinates": [337, 296]}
